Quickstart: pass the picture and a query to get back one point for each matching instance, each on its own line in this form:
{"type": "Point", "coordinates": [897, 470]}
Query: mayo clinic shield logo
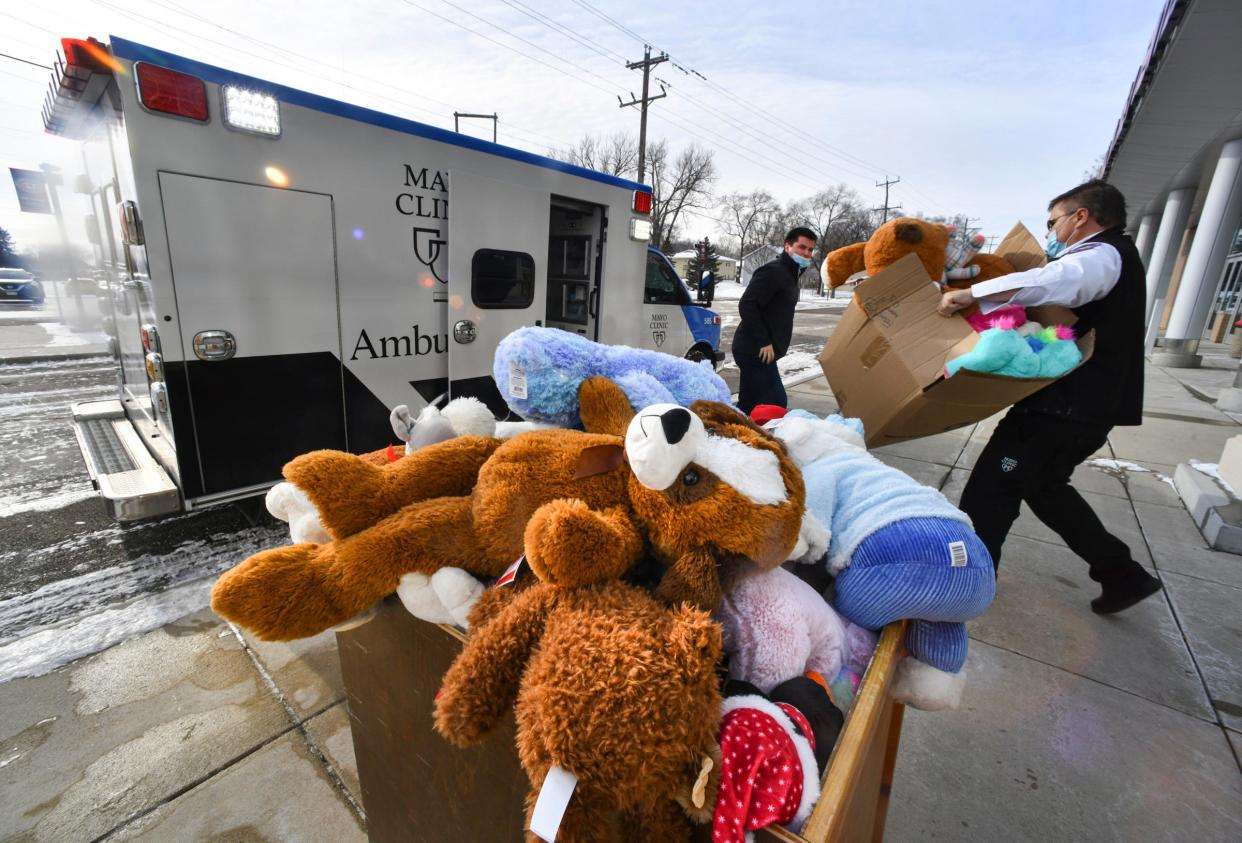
{"type": "Point", "coordinates": [658, 336]}
{"type": "Point", "coordinates": [1008, 464]}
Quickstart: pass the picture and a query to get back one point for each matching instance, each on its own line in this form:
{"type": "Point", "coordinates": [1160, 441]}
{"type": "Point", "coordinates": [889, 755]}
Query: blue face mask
{"type": "Point", "coordinates": [802, 262]}
{"type": "Point", "coordinates": [1052, 246]}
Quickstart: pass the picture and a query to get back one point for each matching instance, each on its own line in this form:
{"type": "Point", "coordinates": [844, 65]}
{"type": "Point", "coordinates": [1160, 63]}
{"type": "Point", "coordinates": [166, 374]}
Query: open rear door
{"type": "Point", "coordinates": [497, 267]}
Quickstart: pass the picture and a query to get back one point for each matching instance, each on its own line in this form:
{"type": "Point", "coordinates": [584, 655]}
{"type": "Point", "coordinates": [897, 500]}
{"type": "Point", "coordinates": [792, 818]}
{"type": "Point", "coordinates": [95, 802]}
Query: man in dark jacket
{"type": "Point", "coordinates": [1097, 272]}
{"type": "Point", "coordinates": [767, 311]}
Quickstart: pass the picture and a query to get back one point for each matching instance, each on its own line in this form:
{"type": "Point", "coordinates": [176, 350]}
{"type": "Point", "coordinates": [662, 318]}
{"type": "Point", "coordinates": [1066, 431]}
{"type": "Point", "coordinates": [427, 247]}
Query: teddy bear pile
{"type": "Point", "coordinates": [1009, 343]}
{"type": "Point", "coordinates": [677, 602]}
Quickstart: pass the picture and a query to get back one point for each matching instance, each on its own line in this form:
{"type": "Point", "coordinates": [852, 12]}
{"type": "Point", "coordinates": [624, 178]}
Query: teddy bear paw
{"type": "Point", "coordinates": [919, 685]}
{"type": "Point", "coordinates": [457, 591]}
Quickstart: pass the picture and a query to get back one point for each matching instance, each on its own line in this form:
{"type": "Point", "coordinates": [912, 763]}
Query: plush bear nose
{"type": "Point", "coordinates": [675, 423]}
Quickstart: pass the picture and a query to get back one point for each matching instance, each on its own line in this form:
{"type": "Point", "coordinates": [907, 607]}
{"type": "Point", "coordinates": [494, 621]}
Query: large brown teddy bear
{"type": "Point", "coordinates": [900, 237]}
{"type": "Point", "coordinates": [610, 685]}
{"type": "Point", "coordinates": [596, 501]}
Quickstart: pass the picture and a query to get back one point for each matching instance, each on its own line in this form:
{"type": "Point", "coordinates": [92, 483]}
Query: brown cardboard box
{"type": "Point", "coordinates": [1021, 249]}
{"type": "Point", "coordinates": [885, 361]}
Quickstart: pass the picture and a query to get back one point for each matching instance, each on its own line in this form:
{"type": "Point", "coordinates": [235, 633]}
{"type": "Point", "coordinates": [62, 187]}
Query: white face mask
{"type": "Point", "coordinates": [802, 262]}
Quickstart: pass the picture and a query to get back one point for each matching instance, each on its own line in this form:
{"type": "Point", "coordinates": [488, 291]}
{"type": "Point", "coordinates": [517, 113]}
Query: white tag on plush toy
{"type": "Point", "coordinates": [558, 787]}
{"type": "Point", "coordinates": [517, 380]}
{"type": "Point", "coordinates": [957, 554]}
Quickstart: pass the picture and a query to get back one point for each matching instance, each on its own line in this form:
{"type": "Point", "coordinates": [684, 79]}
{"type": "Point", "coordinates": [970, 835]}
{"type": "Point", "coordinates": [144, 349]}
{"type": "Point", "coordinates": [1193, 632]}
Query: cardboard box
{"type": "Point", "coordinates": [1021, 249]}
{"type": "Point", "coordinates": [885, 361]}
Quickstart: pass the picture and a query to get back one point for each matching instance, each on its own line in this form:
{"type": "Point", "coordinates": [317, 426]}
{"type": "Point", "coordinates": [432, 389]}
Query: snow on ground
{"type": "Point", "coordinates": [71, 618]}
{"type": "Point", "coordinates": [1119, 469]}
{"type": "Point", "coordinates": [800, 360]}
{"type": "Point", "coordinates": [48, 648]}
{"type": "Point", "coordinates": [61, 336]}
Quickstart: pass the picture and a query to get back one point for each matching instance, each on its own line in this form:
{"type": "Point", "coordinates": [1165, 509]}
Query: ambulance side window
{"type": "Point", "coordinates": [500, 279]}
{"type": "Point", "coordinates": [663, 286]}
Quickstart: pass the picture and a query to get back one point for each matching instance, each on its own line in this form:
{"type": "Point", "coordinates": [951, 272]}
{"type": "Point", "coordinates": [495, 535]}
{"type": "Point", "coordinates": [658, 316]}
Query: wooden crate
{"type": "Point", "coordinates": [416, 786]}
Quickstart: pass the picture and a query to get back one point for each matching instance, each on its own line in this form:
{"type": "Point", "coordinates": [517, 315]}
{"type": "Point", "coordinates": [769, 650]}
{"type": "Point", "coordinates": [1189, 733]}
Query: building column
{"type": "Point", "coordinates": [1164, 255]}
{"type": "Point", "coordinates": [1217, 225]}
{"type": "Point", "coordinates": [1146, 236]}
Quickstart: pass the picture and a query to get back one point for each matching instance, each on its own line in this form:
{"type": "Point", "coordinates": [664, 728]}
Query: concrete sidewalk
{"type": "Point", "coordinates": [1073, 727]}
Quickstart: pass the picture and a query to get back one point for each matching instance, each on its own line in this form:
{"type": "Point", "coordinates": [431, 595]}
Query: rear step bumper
{"type": "Point", "coordinates": [132, 484]}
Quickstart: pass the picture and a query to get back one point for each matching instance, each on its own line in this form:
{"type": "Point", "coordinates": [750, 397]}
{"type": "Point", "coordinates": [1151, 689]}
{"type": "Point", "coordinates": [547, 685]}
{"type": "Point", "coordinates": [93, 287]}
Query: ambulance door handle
{"type": "Point", "coordinates": [214, 345]}
{"type": "Point", "coordinates": [593, 303]}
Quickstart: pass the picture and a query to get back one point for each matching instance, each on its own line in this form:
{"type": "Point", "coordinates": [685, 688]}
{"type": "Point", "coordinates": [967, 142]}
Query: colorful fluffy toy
{"type": "Point", "coordinates": [689, 488]}
{"type": "Point", "coordinates": [1044, 353]}
{"type": "Point", "coordinates": [538, 371]}
{"type": "Point", "coordinates": [899, 550]}
{"type": "Point", "coordinates": [608, 684]}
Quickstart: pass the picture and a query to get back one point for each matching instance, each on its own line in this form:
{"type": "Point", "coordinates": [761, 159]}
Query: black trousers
{"type": "Point", "coordinates": [1030, 457]}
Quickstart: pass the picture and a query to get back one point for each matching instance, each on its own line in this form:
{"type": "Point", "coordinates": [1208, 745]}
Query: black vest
{"type": "Point", "coordinates": [1108, 388]}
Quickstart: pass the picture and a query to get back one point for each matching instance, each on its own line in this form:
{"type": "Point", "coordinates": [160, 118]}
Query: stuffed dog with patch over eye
{"type": "Point", "coordinates": [691, 488]}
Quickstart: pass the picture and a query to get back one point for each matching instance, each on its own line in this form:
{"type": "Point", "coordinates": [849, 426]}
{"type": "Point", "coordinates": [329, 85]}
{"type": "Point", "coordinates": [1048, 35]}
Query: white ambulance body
{"type": "Point", "coordinates": [285, 268]}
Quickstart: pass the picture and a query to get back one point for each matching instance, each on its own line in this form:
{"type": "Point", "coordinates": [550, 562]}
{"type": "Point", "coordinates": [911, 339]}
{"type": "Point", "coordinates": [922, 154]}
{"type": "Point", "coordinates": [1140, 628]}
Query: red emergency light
{"type": "Point", "coordinates": [171, 91]}
{"type": "Point", "coordinates": [642, 202]}
{"type": "Point", "coordinates": [88, 54]}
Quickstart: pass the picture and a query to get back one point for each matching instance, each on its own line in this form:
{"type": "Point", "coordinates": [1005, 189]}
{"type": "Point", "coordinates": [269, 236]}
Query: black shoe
{"type": "Point", "coordinates": [1119, 595]}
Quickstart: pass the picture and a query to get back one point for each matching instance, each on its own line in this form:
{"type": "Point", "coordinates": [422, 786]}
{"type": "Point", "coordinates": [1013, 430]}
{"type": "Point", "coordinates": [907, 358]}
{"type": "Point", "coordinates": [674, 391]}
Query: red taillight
{"type": "Point", "coordinates": [716, 320]}
{"type": "Point", "coordinates": [88, 54]}
{"type": "Point", "coordinates": [171, 91]}
{"type": "Point", "coordinates": [642, 202]}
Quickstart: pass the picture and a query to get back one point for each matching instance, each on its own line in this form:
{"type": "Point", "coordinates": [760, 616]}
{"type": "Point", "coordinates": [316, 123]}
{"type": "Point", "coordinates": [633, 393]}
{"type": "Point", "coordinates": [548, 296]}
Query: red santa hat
{"type": "Point", "coordinates": [768, 772]}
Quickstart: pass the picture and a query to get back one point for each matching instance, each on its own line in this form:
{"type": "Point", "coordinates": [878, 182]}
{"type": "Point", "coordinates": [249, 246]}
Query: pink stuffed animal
{"type": "Point", "coordinates": [777, 627]}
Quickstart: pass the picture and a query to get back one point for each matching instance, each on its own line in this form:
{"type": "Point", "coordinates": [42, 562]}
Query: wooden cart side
{"type": "Point", "coordinates": [860, 769]}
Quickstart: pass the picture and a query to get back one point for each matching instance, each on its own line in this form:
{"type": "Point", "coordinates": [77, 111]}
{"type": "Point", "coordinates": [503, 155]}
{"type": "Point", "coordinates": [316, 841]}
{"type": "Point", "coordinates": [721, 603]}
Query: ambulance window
{"type": "Point", "coordinates": [663, 286]}
{"type": "Point", "coordinates": [500, 279]}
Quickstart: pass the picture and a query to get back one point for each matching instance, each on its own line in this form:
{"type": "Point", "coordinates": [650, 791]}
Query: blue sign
{"type": "Point", "coordinates": [31, 187]}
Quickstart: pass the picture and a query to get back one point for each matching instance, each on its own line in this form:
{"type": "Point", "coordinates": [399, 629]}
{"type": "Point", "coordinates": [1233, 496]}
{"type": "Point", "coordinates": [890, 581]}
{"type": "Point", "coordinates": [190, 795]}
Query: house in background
{"type": "Point", "coordinates": [681, 263]}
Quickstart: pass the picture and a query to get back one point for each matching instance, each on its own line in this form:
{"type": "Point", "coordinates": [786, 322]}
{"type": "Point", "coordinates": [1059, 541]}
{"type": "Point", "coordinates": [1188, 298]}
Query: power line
{"type": "Point", "coordinates": [546, 20]}
{"type": "Point", "coordinates": [26, 61]}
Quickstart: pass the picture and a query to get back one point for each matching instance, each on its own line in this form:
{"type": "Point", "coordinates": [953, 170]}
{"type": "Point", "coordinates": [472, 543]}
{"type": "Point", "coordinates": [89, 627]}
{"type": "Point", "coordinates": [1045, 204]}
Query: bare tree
{"type": "Point", "coordinates": [744, 214]}
{"type": "Point", "coordinates": [678, 185]}
{"type": "Point", "coordinates": [616, 154]}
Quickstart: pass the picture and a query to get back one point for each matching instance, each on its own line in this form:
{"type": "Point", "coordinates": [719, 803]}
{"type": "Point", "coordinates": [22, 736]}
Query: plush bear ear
{"type": "Point", "coordinates": [604, 407]}
{"type": "Point", "coordinates": [716, 416]}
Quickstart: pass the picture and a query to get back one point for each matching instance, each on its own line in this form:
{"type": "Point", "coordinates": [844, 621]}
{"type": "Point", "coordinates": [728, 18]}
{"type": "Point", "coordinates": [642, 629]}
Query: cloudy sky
{"type": "Point", "coordinates": [980, 107]}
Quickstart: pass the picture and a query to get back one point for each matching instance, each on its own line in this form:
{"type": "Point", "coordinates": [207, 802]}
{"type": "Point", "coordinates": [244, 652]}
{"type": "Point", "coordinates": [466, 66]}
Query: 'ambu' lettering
{"type": "Point", "coordinates": [415, 345]}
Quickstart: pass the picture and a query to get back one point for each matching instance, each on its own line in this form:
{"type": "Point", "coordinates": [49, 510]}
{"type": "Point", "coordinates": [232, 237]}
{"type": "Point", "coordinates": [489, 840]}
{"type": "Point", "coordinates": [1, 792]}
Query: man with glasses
{"type": "Point", "coordinates": [1096, 271]}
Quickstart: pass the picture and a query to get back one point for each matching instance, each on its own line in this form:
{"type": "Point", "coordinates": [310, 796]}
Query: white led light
{"type": "Point", "coordinates": [251, 111]}
{"type": "Point", "coordinates": [640, 229]}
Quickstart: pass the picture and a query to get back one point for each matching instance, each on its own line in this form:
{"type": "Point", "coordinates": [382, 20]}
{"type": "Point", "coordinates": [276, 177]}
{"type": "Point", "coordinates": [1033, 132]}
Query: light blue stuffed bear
{"type": "Point", "coordinates": [538, 372]}
{"type": "Point", "coordinates": [899, 550]}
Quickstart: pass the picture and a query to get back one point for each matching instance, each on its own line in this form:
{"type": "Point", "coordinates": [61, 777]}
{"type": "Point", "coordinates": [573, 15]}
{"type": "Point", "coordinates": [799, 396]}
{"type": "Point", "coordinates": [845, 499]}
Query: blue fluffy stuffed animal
{"type": "Point", "coordinates": [539, 370]}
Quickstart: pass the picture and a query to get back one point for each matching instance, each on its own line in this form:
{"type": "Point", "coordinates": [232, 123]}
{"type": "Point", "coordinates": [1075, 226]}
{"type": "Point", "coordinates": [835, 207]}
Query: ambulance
{"type": "Point", "coordinates": [283, 269]}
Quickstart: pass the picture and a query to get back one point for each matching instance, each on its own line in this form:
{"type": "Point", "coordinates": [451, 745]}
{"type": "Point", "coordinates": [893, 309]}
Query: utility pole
{"type": "Point", "coordinates": [492, 117]}
{"type": "Point", "coordinates": [885, 184]}
{"type": "Point", "coordinates": [646, 64]}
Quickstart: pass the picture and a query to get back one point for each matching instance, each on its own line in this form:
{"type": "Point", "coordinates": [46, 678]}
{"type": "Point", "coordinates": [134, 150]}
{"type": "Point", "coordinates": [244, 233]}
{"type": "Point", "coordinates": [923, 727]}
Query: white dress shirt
{"type": "Point", "coordinates": [1085, 273]}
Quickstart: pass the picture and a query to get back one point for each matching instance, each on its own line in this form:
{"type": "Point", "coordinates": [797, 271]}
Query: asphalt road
{"type": "Point", "coordinates": [61, 557]}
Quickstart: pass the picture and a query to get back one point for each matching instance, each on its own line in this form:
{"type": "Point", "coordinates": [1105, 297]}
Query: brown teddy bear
{"type": "Point", "coordinates": [692, 489]}
{"type": "Point", "coordinates": [900, 237]}
{"type": "Point", "coordinates": [609, 684]}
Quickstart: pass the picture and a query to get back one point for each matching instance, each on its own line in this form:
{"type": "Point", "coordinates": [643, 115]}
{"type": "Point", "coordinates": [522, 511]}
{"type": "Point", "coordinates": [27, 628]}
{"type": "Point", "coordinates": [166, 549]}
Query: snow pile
{"type": "Point", "coordinates": [1212, 470]}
